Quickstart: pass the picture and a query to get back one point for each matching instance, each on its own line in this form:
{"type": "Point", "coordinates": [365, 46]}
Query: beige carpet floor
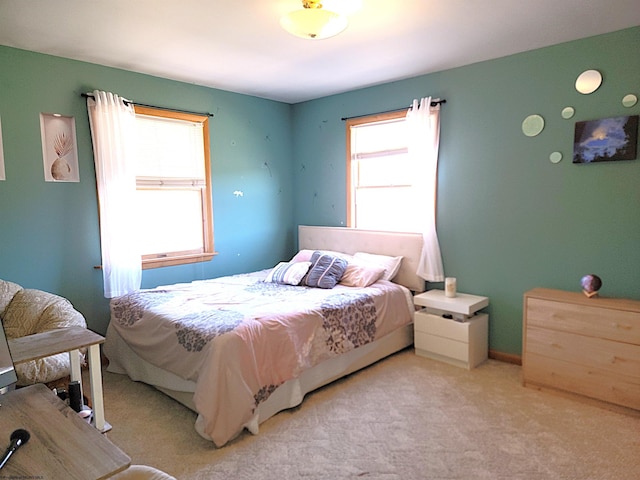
{"type": "Point", "coordinates": [406, 417]}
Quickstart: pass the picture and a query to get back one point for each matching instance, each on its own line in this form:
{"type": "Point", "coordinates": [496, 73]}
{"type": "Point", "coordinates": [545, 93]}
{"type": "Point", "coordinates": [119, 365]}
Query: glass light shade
{"type": "Point", "coordinates": [314, 23]}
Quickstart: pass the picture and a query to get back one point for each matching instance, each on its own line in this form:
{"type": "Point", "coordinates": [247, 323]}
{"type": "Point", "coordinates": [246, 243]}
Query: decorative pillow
{"type": "Point", "coordinates": [326, 270]}
{"type": "Point", "coordinates": [302, 256]}
{"type": "Point", "coordinates": [288, 273]}
{"type": "Point", "coordinates": [305, 255]}
{"type": "Point", "coordinates": [390, 264]}
{"type": "Point", "coordinates": [360, 274]}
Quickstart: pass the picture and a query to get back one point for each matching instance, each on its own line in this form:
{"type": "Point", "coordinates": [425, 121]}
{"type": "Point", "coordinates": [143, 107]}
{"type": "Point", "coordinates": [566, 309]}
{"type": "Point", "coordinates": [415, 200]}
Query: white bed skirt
{"type": "Point", "coordinates": [123, 360]}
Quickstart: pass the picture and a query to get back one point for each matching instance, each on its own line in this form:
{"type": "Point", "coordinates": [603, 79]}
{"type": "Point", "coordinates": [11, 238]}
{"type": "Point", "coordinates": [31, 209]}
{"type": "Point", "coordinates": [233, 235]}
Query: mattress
{"type": "Point", "coordinates": [238, 349]}
{"type": "Point", "coordinates": [123, 360]}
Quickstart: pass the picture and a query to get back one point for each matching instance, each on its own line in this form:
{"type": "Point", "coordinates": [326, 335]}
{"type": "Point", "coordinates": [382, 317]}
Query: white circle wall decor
{"type": "Point", "coordinates": [532, 125]}
{"type": "Point", "coordinates": [588, 81]}
{"type": "Point", "coordinates": [568, 112]}
{"type": "Point", "coordinates": [555, 157]}
{"type": "Point", "coordinates": [629, 100]}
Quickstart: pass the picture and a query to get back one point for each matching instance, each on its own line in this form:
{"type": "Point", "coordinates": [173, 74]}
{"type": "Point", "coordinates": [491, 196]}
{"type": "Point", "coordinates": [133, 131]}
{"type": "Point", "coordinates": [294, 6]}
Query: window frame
{"type": "Point", "coordinates": [354, 122]}
{"type": "Point", "coordinates": [185, 257]}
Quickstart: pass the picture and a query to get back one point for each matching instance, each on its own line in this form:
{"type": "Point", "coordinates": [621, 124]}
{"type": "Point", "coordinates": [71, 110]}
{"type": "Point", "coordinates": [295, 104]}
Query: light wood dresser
{"type": "Point", "coordinates": [586, 346]}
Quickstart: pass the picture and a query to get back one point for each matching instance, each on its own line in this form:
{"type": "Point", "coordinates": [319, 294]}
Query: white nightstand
{"type": "Point", "coordinates": [450, 330]}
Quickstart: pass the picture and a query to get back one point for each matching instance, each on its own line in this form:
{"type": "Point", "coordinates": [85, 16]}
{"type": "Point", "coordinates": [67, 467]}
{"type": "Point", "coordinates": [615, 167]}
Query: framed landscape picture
{"type": "Point", "coordinates": [606, 140]}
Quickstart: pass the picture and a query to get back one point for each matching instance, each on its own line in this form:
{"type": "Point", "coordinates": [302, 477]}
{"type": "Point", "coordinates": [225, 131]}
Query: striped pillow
{"type": "Point", "coordinates": [288, 273]}
{"type": "Point", "coordinates": [326, 270]}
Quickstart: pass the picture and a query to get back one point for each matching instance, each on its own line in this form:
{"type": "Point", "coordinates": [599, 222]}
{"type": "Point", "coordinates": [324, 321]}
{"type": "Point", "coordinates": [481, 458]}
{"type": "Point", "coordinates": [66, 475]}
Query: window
{"type": "Point", "coordinates": [380, 177]}
{"type": "Point", "coordinates": [173, 187]}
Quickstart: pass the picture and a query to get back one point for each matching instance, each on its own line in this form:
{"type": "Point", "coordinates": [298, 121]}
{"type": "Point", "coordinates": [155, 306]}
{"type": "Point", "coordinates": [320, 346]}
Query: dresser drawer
{"type": "Point", "coordinates": [616, 358]}
{"type": "Point", "coordinates": [594, 321]}
{"type": "Point", "coordinates": [585, 380]}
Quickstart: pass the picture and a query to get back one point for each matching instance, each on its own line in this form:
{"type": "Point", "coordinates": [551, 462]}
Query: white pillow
{"type": "Point", "coordinates": [302, 256]}
{"type": "Point", "coordinates": [305, 255]}
{"type": "Point", "coordinates": [288, 273]}
{"type": "Point", "coordinates": [361, 274]}
{"type": "Point", "coordinates": [390, 264]}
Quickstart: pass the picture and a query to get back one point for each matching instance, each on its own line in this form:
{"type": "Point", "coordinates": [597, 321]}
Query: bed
{"type": "Point", "coordinates": [238, 351]}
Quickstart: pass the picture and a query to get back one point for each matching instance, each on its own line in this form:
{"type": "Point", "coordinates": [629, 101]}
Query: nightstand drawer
{"type": "Point", "coordinates": [433, 344]}
{"type": "Point", "coordinates": [441, 327]}
{"type": "Point", "coordinates": [464, 344]}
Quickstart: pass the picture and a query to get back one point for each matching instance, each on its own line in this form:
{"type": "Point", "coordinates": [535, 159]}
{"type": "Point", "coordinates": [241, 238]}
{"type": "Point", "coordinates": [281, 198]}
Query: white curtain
{"type": "Point", "coordinates": [423, 122]}
{"type": "Point", "coordinates": [112, 122]}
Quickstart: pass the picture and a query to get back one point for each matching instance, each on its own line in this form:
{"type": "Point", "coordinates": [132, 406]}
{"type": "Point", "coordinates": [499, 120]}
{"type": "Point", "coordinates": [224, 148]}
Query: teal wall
{"type": "Point", "coordinates": [49, 236]}
{"type": "Point", "coordinates": [508, 219]}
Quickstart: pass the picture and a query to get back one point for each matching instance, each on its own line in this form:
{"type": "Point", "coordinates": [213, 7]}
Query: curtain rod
{"type": "Point", "coordinates": [433, 104]}
{"type": "Point", "coordinates": [129, 102]}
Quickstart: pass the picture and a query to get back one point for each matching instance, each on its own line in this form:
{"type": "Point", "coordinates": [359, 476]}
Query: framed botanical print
{"type": "Point", "coordinates": [59, 149]}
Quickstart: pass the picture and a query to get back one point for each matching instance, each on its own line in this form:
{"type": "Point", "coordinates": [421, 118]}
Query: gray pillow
{"type": "Point", "coordinates": [326, 270]}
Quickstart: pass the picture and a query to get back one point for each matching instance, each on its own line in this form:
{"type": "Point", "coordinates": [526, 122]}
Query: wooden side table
{"type": "Point", "coordinates": [72, 339]}
{"type": "Point", "coordinates": [61, 444]}
{"type": "Point", "coordinates": [449, 330]}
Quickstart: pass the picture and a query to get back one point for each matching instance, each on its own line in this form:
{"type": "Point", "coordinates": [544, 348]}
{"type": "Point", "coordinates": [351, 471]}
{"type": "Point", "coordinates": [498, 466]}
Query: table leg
{"type": "Point", "coordinates": [75, 371]}
{"type": "Point", "coordinates": [95, 373]}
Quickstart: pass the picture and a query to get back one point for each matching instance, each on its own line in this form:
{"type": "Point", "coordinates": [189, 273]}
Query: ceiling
{"type": "Point", "coordinates": [239, 46]}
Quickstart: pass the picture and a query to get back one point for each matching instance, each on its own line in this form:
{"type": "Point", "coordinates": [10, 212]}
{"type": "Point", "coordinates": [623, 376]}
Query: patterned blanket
{"type": "Point", "coordinates": [239, 337]}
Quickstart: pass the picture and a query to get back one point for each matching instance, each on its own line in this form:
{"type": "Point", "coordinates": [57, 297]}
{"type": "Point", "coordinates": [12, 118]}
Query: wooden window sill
{"type": "Point", "coordinates": [178, 260]}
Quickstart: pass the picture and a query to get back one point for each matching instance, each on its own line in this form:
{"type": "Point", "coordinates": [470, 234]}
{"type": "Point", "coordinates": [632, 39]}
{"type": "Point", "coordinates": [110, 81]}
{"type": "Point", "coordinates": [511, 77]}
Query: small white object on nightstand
{"type": "Point", "coordinates": [450, 288]}
{"type": "Point", "coordinates": [450, 330]}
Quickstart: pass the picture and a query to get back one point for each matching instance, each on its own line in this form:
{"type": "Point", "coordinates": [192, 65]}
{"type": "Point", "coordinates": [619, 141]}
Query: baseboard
{"type": "Point", "coordinates": [505, 357]}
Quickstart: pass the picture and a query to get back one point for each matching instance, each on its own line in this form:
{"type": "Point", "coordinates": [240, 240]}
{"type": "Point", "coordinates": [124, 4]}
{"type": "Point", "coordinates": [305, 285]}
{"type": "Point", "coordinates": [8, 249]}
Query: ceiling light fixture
{"type": "Point", "coordinates": [313, 22]}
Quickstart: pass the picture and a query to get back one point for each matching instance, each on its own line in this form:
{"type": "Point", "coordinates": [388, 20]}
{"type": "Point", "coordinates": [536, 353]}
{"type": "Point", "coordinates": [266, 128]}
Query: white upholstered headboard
{"type": "Point", "coordinates": [352, 240]}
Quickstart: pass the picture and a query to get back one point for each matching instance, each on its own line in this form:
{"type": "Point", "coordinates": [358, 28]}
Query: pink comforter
{"type": "Point", "coordinates": [239, 337]}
